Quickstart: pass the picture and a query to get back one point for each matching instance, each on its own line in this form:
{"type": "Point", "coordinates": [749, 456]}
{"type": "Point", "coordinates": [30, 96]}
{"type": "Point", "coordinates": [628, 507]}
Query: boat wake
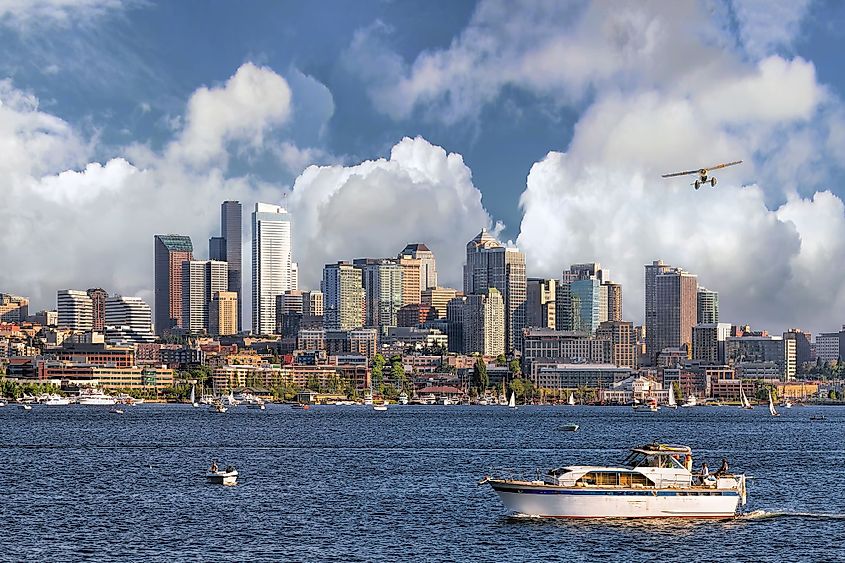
{"type": "Point", "coordinates": [766, 515]}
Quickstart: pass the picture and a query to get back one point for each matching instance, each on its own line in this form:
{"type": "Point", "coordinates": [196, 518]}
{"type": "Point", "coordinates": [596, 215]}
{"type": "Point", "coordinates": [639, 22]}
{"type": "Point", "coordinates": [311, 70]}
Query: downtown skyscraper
{"type": "Point", "coordinates": [228, 248]}
{"type": "Point", "coordinates": [489, 264]}
{"type": "Point", "coordinates": [171, 251]}
{"type": "Point", "coordinates": [272, 264]}
{"type": "Point", "coordinates": [675, 310]}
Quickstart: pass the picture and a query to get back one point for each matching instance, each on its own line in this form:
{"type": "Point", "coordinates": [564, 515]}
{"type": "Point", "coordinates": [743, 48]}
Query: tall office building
{"type": "Point", "coordinates": [438, 298]}
{"type": "Point", "coordinates": [589, 304]}
{"type": "Point", "coordinates": [489, 264]}
{"type": "Point", "coordinates": [271, 263]}
{"type": "Point", "coordinates": [312, 303]}
{"type": "Point", "coordinates": [708, 306]}
{"type": "Point", "coordinates": [428, 269]}
{"type": "Point", "coordinates": [382, 283]}
{"type": "Point", "coordinates": [130, 312]}
{"type": "Point", "coordinates": [483, 323]}
{"type": "Point", "coordinates": [171, 251]}
{"type": "Point", "coordinates": [201, 279]}
{"type": "Point", "coordinates": [231, 216]}
{"type": "Point", "coordinates": [623, 342]}
{"type": "Point", "coordinates": [76, 310]}
{"type": "Point", "coordinates": [651, 272]}
{"type": "Point", "coordinates": [343, 297]}
{"type": "Point", "coordinates": [13, 308]}
{"type": "Point", "coordinates": [708, 342]}
{"type": "Point", "coordinates": [411, 280]}
{"type": "Point", "coordinates": [98, 301]}
{"type": "Point", "coordinates": [217, 249]}
{"type": "Point", "coordinates": [541, 303]}
{"type": "Point", "coordinates": [614, 301]}
{"type": "Point", "coordinates": [290, 301]}
{"type": "Point", "coordinates": [675, 305]}
{"type": "Point", "coordinates": [223, 313]}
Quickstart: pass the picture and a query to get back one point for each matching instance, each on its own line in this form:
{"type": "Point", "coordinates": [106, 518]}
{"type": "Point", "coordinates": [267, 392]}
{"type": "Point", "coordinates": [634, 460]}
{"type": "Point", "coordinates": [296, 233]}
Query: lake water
{"type": "Point", "coordinates": [350, 484]}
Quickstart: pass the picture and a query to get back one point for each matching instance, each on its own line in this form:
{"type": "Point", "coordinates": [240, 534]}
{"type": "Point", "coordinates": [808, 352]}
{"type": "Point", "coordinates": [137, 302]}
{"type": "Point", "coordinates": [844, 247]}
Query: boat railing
{"type": "Point", "coordinates": [515, 474]}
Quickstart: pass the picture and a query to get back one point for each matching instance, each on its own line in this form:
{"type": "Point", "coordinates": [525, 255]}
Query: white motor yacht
{"type": "Point", "coordinates": [403, 398]}
{"type": "Point", "coordinates": [691, 402]}
{"type": "Point", "coordinates": [94, 397]}
{"type": "Point", "coordinates": [55, 401]}
{"type": "Point", "coordinates": [654, 481]}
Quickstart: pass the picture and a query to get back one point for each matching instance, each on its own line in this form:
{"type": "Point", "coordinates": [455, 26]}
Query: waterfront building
{"type": "Point", "coordinates": [756, 354]}
{"type": "Point", "coordinates": [540, 303]}
{"type": "Point", "coordinates": [428, 265]}
{"type": "Point", "coordinates": [564, 347]}
{"type": "Point", "coordinates": [438, 298]}
{"type": "Point", "coordinates": [707, 305]}
{"type": "Point", "coordinates": [827, 347]}
{"type": "Point", "coordinates": [223, 313]}
{"type": "Point", "coordinates": [130, 312]}
{"type": "Point", "coordinates": [675, 303]}
{"type": "Point", "coordinates": [13, 308]}
{"type": "Point", "coordinates": [708, 342]}
{"type": "Point", "coordinates": [490, 265]}
{"type": "Point", "coordinates": [98, 302]}
{"type": "Point", "coordinates": [201, 279]}
{"type": "Point", "coordinates": [272, 263]}
{"type": "Point", "coordinates": [623, 342]}
{"type": "Point", "coordinates": [343, 295]}
{"type": "Point", "coordinates": [381, 280]}
{"type": "Point", "coordinates": [411, 279]}
{"type": "Point", "coordinates": [171, 251]}
{"type": "Point", "coordinates": [555, 375]}
{"type": "Point", "coordinates": [484, 323]}
{"type": "Point", "coordinates": [76, 310]}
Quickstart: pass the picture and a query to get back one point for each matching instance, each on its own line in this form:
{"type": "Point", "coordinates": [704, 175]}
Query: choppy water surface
{"type": "Point", "coordinates": [351, 484]}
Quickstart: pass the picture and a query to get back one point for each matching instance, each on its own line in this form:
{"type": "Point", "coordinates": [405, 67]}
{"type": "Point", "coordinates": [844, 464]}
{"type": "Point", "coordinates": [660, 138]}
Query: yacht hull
{"type": "Point", "coordinates": [577, 502]}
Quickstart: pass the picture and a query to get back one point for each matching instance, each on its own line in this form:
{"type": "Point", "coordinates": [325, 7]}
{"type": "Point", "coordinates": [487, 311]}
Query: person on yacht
{"type": "Point", "coordinates": [723, 469]}
{"type": "Point", "coordinates": [704, 474]}
{"type": "Point", "coordinates": [688, 462]}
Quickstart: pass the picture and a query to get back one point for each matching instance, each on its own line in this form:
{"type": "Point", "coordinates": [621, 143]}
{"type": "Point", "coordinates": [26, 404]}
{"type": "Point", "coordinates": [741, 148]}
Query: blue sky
{"type": "Point", "coordinates": [129, 117]}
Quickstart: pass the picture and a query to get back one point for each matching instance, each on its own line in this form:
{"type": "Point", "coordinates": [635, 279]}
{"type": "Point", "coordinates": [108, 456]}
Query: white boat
{"type": "Point", "coordinates": [649, 406]}
{"type": "Point", "coordinates": [671, 403]}
{"type": "Point", "coordinates": [116, 411]}
{"type": "Point", "coordinates": [746, 404]}
{"type": "Point", "coordinates": [403, 398]}
{"type": "Point", "coordinates": [368, 398]}
{"type": "Point", "coordinates": [512, 401]}
{"type": "Point", "coordinates": [444, 401]}
{"type": "Point", "coordinates": [206, 399]}
{"type": "Point", "coordinates": [94, 397]}
{"type": "Point", "coordinates": [255, 403]}
{"type": "Point", "coordinates": [653, 482]}
{"type": "Point", "coordinates": [381, 408]}
{"type": "Point", "coordinates": [691, 401]}
{"type": "Point", "coordinates": [218, 407]}
{"type": "Point", "coordinates": [194, 402]}
{"type": "Point", "coordinates": [55, 401]}
{"type": "Point", "coordinates": [3, 403]}
{"type": "Point", "coordinates": [787, 404]}
{"type": "Point", "coordinates": [26, 406]}
{"type": "Point", "coordinates": [570, 427]}
{"type": "Point", "coordinates": [228, 476]}
{"type": "Point", "coordinates": [772, 410]}
{"type": "Point", "coordinates": [571, 401]}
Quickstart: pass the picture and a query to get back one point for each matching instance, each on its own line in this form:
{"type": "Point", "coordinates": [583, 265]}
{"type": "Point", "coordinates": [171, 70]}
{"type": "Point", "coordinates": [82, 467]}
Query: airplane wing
{"type": "Point", "coordinates": [680, 173]}
{"type": "Point", "coordinates": [725, 165]}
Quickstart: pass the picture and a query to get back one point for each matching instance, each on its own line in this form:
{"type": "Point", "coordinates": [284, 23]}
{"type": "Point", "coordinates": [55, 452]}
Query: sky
{"type": "Point", "coordinates": [381, 123]}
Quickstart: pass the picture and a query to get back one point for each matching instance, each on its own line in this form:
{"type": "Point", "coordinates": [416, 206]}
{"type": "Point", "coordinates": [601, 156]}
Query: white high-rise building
{"type": "Point", "coordinates": [128, 320]}
{"type": "Point", "coordinates": [273, 270]}
{"type": "Point", "coordinates": [201, 279]}
{"type": "Point", "coordinates": [76, 309]}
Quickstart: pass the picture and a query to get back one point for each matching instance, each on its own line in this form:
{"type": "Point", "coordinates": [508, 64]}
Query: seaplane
{"type": "Point", "coordinates": [704, 176]}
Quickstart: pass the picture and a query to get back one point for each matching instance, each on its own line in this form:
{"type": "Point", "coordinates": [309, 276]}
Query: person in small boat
{"type": "Point", "coordinates": [723, 469]}
{"type": "Point", "coordinates": [214, 467]}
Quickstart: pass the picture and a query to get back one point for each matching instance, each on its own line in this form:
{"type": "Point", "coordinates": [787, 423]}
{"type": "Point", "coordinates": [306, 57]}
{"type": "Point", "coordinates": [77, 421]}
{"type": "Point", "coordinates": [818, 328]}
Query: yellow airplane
{"type": "Point", "coordinates": [703, 177]}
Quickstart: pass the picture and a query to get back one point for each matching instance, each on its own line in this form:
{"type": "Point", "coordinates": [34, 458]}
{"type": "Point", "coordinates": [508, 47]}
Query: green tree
{"type": "Point", "coordinates": [515, 368]}
{"type": "Point", "coordinates": [377, 372]}
{"type": "Point", "coordinates": [480, 379]}
{"type": "Point", "coordinates": [501, 360]}
{"type": "Point", "coordinates": [676, 389]}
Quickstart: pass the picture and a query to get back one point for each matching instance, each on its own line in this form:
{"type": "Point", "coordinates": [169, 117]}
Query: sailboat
{"type": "Point", "coordinates": [194, 402]}
{"type": "Point", "coordinates": [746, 404]}
{"type": "Point", "coordinates": [672, 404]}
{"type": "Point", "coordinates": [571, 400]}
{"type": "Point", "coordinates": [772, 410]}
{"type": "Point", "coordinates": [512, 401]}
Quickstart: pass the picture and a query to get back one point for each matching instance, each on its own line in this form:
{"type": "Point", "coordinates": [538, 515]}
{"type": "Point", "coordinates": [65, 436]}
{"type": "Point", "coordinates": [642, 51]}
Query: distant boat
{"type": "Point", "coordinates": [571, 401]}
{"type": "Point", "coordinates": [746, 404]}
{"type": "Point", "coordinates": [228, 476]}
{"type": "Point", "coordinates": [116, 411]}
{"type": "Point", "coordinates": [300, 406]}
{"type": "Point", "coordinates": [218, 407]}
{"type": "Point", "coordinates": [381, 408]}
{"type": "Point", "coordinates": [512, 401]}
{"type": "Point", "coordinates": [194, 402]}
{"type": "Point", "coordinates": [691, 401]}
{"type": "Point", "coordinates": [772, 410]}
{"type": "Point", "coordinates": [403, 398]}
{"type": "Point", "coordinates": [570, 427]}
{"type": "Point", "coordinates": [671, 403]}
{"type": "Point", "coordinates": [26, 407]}
{"type": "Point", "coordinates": [787, 404]}
{"type": "Point", "coordinates": [818, 417]}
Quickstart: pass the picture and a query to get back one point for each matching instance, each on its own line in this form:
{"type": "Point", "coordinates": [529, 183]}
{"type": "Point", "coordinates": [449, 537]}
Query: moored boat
{"type": "Point", "coordinates": [403, 398]}
{"type": "Point", "coordinates": [655, 481]}
{"type": "Point", "coordinates": [94, 397]}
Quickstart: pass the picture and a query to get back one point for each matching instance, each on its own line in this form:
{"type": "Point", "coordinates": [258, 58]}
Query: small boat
{"type": "Point", "coordinates": [194, 402]}
{"type": "Point", "coordinates": [671, 403]}
{"type": "Point", "coordinates": [649, 406]}
{"type": "Point", "coordinates": [654, 481]}
{"type": "Point", "coordinates": [116, 411]}
{"type": "Point", "coordinates": [570, 427]}
{"type": "Point", "coordinates": [787, 404]}
{"type": "Point", "coordinates": [403, 398]}
{"type": "Point", "coordinates": [571, 401]}
{"type": "Point", "coordinates": [772, 410]}
{"type": "Point", "coordinates": [3, 403]}
{"type": "Point", "coordinates": [256, 404]}
{"type": "Point", "coordinates": [228, 476]}
{"type": "Point", "coordinates": [445, 401]}
{"type": "Point", "coordinates": [691, 401]}
{"type": "Point", "coordinates": [381, 408]}
{"type": "Point", "coordinates": [26, 406]}
{"type": "Point", "coordinates": [218, 407]}
{"type": "Point", "coordinates": [300, 406]}
{"type": "Point", "coordinates": [368, 398]}
{"type": "Point", "coordinates": [54, 400]}
{"type": "Point", "coordinates": [746, 404]}
{"type": "Point", "coordinates": [512, 401]}
{"type": "Point", "coordinates": [818, 417]}
{"type": "Point", "coordinates": [94, 397]}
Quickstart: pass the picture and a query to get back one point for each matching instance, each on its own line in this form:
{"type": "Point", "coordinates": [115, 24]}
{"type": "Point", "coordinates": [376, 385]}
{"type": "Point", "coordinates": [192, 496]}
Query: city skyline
{"type": "Point", "coordinates": [401, 155]}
